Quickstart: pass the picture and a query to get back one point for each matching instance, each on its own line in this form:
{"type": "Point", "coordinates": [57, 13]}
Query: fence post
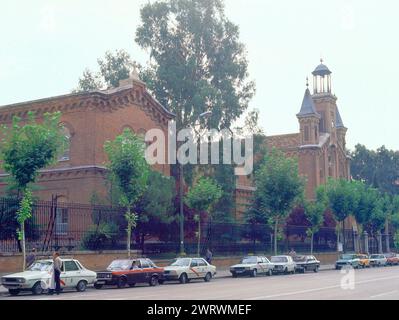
{"type": "Point", "coordinates": [355, 241]}
{"type": "Point", "coordinates": [366, 242]}
{"type": "Point", "coordinates": [379, 236]}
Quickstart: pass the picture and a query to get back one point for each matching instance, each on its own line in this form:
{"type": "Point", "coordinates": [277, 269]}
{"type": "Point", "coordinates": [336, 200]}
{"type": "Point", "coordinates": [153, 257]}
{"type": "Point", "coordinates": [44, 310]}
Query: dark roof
{"type": "Point", "coordinates": [308, 108]}
{"type": "Point", "coordinates": [321, 70]}
{"type": "Point", "coordinates": [338, 120]}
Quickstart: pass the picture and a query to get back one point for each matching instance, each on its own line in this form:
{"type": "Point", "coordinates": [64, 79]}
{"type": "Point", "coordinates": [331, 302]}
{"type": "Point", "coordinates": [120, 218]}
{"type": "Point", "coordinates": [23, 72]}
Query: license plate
{"type": "Point", "coordinates": [101, 282]}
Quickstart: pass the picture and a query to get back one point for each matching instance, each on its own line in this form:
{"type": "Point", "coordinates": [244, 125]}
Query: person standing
{"type": "Point", "coordinates": [208, 256]}
{"type": "Point", "coordinates": [30, 259]}
{"type": "Point", "coordinates": [57, 266]}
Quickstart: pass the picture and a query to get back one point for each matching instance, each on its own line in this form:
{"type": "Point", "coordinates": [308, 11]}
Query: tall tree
{"type": "Point", "coordinates": [314, 212]}
{"type": "Point", "coordinates": [202, 197]}
{"type": "Point", "coordinates": [343, 199]}
{"type": "Point", "coordinates": [25, 149]}
{"type": "Point", "coordinates": [197, 61]}
{"type": "Point", "coordinates": [278, 187]}
{"type": "Point", "coordinates": [129, 169]}
{"type": "Point", "coordinates": [113, 67]}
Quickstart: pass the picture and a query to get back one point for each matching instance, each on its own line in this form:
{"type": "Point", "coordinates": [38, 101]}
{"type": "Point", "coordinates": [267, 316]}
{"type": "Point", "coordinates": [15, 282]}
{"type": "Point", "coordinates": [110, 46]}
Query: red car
{"type": "Point", "coordinates": [392, 259]}
{"type": "Point", "coordinates": [121, 273]}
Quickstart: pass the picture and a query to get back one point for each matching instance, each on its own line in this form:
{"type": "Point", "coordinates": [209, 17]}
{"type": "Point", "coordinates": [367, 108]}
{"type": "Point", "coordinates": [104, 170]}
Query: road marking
{"type": "Point", "coordinates": [316, 289]}
{"type": "Point", "coordinates": [383, 294]}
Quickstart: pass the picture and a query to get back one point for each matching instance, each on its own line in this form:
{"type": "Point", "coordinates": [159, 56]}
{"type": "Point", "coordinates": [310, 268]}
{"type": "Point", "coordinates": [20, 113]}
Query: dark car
{"type": "Point", "coordinates": [306, 263]}
{"type": "Point", "coordinates": [121, 273]}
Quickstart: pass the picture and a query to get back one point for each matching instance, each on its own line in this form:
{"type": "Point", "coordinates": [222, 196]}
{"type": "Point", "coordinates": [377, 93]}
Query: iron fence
{"type": "Point", "coordinates": [75, 227]}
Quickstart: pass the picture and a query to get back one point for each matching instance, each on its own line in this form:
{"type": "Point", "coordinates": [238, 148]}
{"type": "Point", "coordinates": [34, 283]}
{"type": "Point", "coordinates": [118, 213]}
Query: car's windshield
{"type": "Point", "coordinates": [41, 266]}
{"type": "Point", "coordinates": [279, 259]}
{"type": "Point", "coordinates": [347, 257]}
{"type": "Point", "coordinates": [374, 256]}
{"type": "Point", "coordinates": [299, 258]}
{"type": "Point", "coordinates": [120, 265]}
{"type": "Point", "coordinates": [181, 263]}
{"type": "Point", "coordinates": [249, 260]}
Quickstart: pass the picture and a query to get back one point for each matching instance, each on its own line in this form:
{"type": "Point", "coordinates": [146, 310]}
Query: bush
{"type": "Point", "coordinates": [100, 237]}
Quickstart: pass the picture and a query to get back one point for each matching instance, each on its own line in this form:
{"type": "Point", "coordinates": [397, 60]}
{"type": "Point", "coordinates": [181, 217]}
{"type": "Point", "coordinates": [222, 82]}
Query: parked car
{"type": "Point", "coordinates": [37, 278]}
{"type": "Point", "coordinates": [348, 260]}
{"type": "Point", "coordinates": [283, 264]}
{"type": "Point", "coordinates": [364, 261]}
{"type": "Point", "coordinates": [129, 272]}
{"type": "Point", "coordinates": [252, 266]}
{"type": "Point", "coordinates": [392, 259]}
{"type": "Point", "coordinates": [186, 269]}
{"type": "Point", "coordinates": [306, 263]}
{"type": "Point", "coordinates": [378, 260]}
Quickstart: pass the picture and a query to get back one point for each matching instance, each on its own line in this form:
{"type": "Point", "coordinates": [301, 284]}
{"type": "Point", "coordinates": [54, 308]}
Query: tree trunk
{"type": "Point", "coordinates": [199, 237]}
{"type": "Point", "coordinates": [275, 236]}
{"type": "Point", "coordinates": [23, 246]}
{"type": "Point", "coordinates": [129, 234]}
{"type": "Point", "coordinates": [311, 243]}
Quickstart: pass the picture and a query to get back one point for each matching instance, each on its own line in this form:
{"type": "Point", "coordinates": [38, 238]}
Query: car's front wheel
{"type": "Point", "coordinates": [254, 273]}
{"type": "Point", "coordinates": [208, 277]}
{"type": "Point", "coordinates": [121, 282]}
{"type": "Point", "coordinates": [183, 278]}
{"type": "Point", "coordinates": [37, 289]}
{"type": "Point", "coordinates": [270, 272]}
{"type": "Point", "coordinates": [316, 269]}
{"type": "Point", "coordinates": [153, 281]}
{"type": "Point", "coordinates": [98, 286]}
{"type": "Point", "coordinates": [14, 292]}
{"type": "Point", "coordinates": [81, 287]}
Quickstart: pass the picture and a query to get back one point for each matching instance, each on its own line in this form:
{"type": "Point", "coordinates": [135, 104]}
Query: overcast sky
{"type": "Point", "coordinates": [46, 44]}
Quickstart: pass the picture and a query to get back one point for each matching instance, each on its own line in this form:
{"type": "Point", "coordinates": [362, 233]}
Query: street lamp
{"type": "Point", "coordinates": [205, 115]}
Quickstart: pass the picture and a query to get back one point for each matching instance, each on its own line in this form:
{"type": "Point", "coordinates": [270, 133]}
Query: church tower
{"type": "Point", "coordinates": [309, 120]}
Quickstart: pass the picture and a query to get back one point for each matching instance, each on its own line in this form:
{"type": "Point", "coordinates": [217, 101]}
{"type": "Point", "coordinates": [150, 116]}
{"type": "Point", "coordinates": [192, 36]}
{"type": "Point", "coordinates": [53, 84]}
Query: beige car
{"type": "Point", "coordinates": [187, 269]}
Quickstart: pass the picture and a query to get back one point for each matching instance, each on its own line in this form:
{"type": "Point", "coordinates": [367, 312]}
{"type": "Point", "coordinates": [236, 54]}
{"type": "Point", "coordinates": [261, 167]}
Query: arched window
{"type": "Point", "coordinates": [65, 156]}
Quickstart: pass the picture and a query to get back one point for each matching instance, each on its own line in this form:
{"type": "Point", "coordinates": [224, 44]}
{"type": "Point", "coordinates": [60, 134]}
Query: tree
{"type": "Point", "coordinates": [278, 187]}
{"type": "Point", "coordinates": [202, 197]}
{"type": "Point", "coordinates": [379, 169]}
{"type": "Point", "coordinates": [343, 199]}
{"type": "Point", "coordinates": [129, 169]}
{"type": "Point", "coordinates": [155, 208]}
{"type": "Point", "coordinates": [113, 67]}
{"type": "Point", "coordinates": [25, 149]}
{"type": "Point", "coordinates": [197, 62]}
{"type": "Point", "coordinates": [314, 212]}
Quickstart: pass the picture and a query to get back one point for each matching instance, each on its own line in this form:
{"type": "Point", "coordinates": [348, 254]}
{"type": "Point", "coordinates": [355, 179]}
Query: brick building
{"type": "Point", "coordinates": [90, 119]}
{"type": "Point", "coordinates": [320, 144]}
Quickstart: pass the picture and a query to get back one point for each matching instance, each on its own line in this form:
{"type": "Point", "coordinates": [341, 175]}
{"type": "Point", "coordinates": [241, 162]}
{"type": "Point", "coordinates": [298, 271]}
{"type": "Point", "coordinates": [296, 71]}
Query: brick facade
{"type": "Point", "coordinates": [90, 120]}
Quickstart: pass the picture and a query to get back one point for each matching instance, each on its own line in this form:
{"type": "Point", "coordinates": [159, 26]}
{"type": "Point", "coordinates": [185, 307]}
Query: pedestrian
{"type": "Point", "coordinates": [208, 256]}
{"type": "Point", "coordinates": [30, 259]}
{"type": "Point", "coordinates": [57, 267]}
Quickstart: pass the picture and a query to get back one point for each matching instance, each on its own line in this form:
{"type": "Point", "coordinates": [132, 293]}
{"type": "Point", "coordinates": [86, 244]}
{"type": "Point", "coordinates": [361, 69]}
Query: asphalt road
{"type": "Point", "coordinates": [364, 284]}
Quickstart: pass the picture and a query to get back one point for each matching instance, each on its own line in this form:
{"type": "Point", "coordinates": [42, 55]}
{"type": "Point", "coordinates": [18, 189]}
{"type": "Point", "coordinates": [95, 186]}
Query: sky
{"type": "Point", "coordinates": [46, 44]}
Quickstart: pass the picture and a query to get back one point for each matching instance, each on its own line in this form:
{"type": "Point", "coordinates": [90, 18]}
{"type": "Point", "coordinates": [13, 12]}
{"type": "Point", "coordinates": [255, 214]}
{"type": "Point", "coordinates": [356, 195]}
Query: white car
{"type": "Point", "coordinates": [283, 264]}
{"type": "Point", "coordinates": [186, 269]}
{"type": "Point", "coordinates": [378, 260]}
{"type": "Point", "coordinates": [38, 277]}
{"type": "Point", "coordinates": [252, 266]}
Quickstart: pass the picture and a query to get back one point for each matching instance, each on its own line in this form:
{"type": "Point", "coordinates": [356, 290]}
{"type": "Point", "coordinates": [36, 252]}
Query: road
{"type": "Point", "coordinates": [369, 284]}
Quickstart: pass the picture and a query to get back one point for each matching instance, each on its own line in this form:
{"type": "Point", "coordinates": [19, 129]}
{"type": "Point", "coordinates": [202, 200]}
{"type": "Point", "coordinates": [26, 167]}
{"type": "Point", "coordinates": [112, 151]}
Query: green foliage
{"type": "Point", "coordinates": [197, 62]}
{"type": "Point", "coordinates": [25, 209]}
{"type": "Point", "coordinates": [101, 236]}
{"type": "Point", "coordinates": [113, 68]}
{"type": "Point", "coordinates": [27, 148]}
{"type": "Point", "coordinates": [203, 195]}
{"type": "Point", "coordinates": [127, 166]}
{"type": "Point", "coordinates": [156, 203]}
{"type": "Point", "coordinates": [343, 197]}
{"type": "Point", "coordinates": [379, 169]}
{"type": "Point", "coordinates": [314, 210]}
{"type": "Point", "coordinates": [278, 185]}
